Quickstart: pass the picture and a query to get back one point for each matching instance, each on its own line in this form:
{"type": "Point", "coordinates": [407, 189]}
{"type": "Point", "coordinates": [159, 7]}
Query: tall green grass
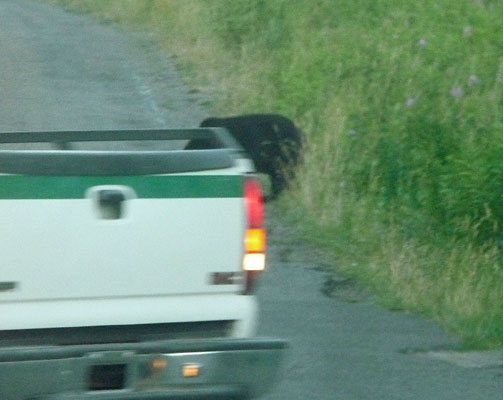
{"type": "Point", "coordinates": [401, 103]}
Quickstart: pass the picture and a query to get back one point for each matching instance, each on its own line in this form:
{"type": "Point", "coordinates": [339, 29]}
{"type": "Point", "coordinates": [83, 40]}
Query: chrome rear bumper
{"type": "Point", "coordinates": [214, 369]}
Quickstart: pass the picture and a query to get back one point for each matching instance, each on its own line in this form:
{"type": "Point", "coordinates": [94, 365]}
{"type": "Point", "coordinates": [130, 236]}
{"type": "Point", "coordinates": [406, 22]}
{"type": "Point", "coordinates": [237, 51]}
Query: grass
{"type": "Point", "coordinates": [401, 103]}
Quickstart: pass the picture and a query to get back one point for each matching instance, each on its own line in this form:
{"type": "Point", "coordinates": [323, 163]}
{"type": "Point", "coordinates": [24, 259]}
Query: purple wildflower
{"type": "Point", "coordinates": [457, 92]}
{"type": "Point", "coordinates": [411, 101]}
{"type": "Point", "coordinates": [473, 80]}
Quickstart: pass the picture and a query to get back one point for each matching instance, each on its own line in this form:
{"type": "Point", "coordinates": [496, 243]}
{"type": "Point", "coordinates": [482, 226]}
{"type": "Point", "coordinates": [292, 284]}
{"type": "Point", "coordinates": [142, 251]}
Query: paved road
{"type": "Point", "coordinates": [344, 347]}
{"type": "Point", "coordinates": [61, 71]}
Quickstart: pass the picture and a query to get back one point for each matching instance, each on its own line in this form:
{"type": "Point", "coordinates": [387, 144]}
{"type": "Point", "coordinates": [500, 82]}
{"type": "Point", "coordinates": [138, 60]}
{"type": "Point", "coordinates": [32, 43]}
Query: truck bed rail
{"type": "Point", "coordinates": [65, 161]}
{"type": "Point", "coordinates": [219, 136]}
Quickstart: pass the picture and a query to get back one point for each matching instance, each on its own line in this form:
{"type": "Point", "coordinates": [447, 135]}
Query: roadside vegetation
{"type": "Point", "coordinates": [401, 103]}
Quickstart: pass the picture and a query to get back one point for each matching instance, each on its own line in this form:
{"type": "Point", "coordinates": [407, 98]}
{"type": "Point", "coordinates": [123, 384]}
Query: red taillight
{"type": "Point", "coordinates": [254, 203]}
{"type": "Point", "coordinates": [254, 240]}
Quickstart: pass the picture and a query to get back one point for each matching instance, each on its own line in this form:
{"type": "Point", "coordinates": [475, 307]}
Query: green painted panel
{"type": "Point", "coordinates": [147, 187]}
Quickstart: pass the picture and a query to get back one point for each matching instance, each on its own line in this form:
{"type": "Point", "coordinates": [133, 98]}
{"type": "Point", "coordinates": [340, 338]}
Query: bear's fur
{"type": "Point", "coordinates": [273, 142]}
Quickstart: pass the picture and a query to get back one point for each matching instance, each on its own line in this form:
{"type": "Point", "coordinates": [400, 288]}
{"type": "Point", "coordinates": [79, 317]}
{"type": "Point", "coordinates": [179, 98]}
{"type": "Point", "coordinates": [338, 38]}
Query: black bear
{"type": "Point", "coordinates": [272, 141]}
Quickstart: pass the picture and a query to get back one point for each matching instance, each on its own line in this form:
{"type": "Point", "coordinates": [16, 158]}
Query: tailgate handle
{"type": "Point", "coordinates": [110, 203]}
{"type": "Point", "coordinates": [111, 197]}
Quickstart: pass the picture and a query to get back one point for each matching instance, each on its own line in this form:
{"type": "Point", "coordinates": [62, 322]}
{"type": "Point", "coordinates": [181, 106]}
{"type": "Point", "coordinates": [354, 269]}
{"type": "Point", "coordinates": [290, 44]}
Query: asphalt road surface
{"type": "Point", "coordinates": [61, 71]}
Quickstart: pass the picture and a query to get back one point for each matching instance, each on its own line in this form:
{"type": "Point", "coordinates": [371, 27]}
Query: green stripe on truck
{"type": "Point", "coordinates": [146, 187]}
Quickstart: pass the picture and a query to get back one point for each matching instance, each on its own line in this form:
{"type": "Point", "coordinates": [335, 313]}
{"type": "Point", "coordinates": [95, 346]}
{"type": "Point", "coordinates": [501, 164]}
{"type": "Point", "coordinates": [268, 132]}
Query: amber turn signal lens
{"type": "Point", "coordinates": [255, 240]}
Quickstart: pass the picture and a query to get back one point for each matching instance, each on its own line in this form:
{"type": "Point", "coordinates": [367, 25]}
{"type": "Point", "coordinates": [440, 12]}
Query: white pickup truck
{"type": "Point", "coordinates": [127, 274]}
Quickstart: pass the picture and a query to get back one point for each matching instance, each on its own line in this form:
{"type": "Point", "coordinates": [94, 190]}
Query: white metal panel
{"type": "Point", "coordinates": [132, 311]}
{"type": "Point", "coordinates": [61, 248]}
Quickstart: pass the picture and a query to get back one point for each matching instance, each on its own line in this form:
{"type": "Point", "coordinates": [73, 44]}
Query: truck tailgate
{"type": "Point", "coordinates": [104, 236]}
